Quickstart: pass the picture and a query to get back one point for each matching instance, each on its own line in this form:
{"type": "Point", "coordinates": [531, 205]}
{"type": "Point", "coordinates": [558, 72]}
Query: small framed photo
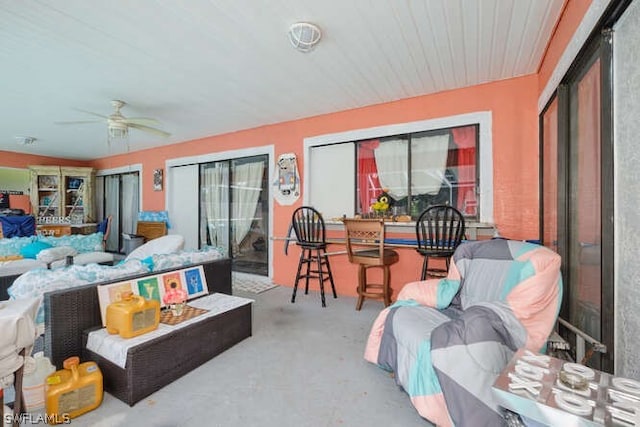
{"type": "Point", "coordinates": [195, 280]}
{"type": "Point", "coordinates": [149, 288]}
{"type": "Point", "coordinates": [171, 281]}
{"type": "Point", "coordinates": [157, 180]}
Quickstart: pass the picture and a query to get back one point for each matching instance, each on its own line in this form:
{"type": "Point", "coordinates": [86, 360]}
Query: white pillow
{"type": "Point", "coordinates": [161, 245]}
{"type": "Point", "coordinates": [55, 253]}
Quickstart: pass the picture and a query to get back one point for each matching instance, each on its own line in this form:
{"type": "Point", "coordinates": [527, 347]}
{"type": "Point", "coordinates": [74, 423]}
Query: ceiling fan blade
{"type": "Point", "coordinates": [77, 122]}
{"type": "Point", "coordinates": [140, 121]}
{"type": "Point", "coordinates": [149, 129]}
{"type": "Point", "coordinates": [92, 113]}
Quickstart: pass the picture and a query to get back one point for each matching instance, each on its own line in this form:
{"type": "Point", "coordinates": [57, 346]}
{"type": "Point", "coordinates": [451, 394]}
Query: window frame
{"type": "Point", "coordinates": [483, 119]}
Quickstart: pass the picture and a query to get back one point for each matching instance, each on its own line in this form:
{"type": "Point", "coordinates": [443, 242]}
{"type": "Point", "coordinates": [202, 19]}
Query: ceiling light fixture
{"type": "Point", "coordinates": [304, 36]}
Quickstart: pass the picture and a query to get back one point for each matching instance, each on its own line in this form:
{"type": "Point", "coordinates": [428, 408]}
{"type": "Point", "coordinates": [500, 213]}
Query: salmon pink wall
{"type": "Point", "coordinates": [515, 153]}
{"type": "Point", "coordinates": [572, 15]}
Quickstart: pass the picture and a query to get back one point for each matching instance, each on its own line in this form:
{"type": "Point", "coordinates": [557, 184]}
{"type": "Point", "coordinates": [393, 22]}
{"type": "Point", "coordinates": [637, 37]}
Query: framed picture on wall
{"type": "Point", "coordinates": [157, 180]}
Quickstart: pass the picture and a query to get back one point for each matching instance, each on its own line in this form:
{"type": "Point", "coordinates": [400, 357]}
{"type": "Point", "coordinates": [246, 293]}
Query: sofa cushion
{"type": "Point", "coordinates": [80, 242]}
{"type": "Point", "coordinates": [56, 253]}
{"type": "Point", "coordinates": [32, 249]}
{"type": "Point", "coordinates": [14, 268]}
{"type": "Point", "coordinates": [184, 258]}
{"type": "Point", "coordinates": [13, 245]}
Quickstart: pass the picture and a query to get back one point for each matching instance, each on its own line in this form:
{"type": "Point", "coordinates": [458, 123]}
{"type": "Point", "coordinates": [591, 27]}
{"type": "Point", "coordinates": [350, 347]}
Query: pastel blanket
{"type": "Point", "coordinates": [447, 340]}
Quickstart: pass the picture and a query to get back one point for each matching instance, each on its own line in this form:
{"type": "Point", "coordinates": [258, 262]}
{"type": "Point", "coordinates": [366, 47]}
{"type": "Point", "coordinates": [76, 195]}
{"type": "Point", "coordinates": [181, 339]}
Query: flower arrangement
{"type": "Point", "coordinates": [175, 297]}
{"type": "Point", "coordinates": [382, 204]}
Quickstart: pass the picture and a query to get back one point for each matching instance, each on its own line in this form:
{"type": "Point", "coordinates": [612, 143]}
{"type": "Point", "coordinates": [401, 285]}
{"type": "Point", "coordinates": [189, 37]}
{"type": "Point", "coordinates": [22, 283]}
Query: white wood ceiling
{"type": "Point", "coordinates": [205, 67]}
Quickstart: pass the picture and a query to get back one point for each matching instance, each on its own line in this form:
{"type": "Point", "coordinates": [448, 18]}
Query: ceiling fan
{"type": "Point", "coordinates": [118, 125]}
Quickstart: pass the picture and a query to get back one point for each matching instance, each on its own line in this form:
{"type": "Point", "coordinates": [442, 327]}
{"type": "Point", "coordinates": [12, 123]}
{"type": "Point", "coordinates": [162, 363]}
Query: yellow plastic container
{"type": "Point", "coordinates": [132, 316]}
{"type": "Point", "coordinates": [72, 391]}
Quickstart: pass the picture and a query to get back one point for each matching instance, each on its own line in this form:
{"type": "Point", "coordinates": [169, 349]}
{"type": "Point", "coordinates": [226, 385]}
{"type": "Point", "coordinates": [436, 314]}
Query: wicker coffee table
{"type": "Point", "coordinates": [171, 351]}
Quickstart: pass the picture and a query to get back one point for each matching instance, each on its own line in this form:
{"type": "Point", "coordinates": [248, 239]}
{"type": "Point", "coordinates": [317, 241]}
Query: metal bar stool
{"type": "Point", "coordinates": [309, 228]}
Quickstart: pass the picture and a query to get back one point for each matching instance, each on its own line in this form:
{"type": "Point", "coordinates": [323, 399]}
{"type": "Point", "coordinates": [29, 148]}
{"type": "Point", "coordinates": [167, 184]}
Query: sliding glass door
{"type": "Point", "coordinates": [577, 196]}
{"type": "Point", "coordinates": [118, 195]}
{"type": "Point", "coordinates": [234, 210]}
{"type": "Point", "coordinates": [584, 202]}
{"type": "Point", "coordinates": [549, 176]}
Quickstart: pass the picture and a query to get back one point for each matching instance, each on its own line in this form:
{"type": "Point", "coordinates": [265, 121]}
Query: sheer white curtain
{"type": "Point", "coordinates": [121, 194]}
{"type": "Point", "coordinates": [215, 204]}
{"type": "Point", "coordinates": [112, 207]}
{"type": "Point", "coordinates": [130, 203]}
{"type": "Point", "coordinates": [428, 161]}
{"type": "Point", "coordinates": [428, 164]}
{"type": "Point", "coordinates": [392, 161]}
{"type": "Point", "coordinates": [247, 185]}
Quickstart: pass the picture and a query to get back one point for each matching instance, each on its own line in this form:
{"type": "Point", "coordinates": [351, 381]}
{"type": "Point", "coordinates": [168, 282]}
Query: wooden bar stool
{"type": "Point", "coordinates": [365, 247]}
{"type": "Point", "coordinates": [310, 234]}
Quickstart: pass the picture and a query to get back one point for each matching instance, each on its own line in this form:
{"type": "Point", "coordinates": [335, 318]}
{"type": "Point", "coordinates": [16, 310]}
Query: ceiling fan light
{"type": "Point", "coordinates": [118, 131]}
{"type": "Point", "coordinates": [304, 36]}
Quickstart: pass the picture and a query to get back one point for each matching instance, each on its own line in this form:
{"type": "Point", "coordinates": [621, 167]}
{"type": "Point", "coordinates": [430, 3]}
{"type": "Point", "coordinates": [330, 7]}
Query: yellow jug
{"type": "Point", "coordinates": [72, 391]}
{"type": "Point", "coordinates": [132, 316]}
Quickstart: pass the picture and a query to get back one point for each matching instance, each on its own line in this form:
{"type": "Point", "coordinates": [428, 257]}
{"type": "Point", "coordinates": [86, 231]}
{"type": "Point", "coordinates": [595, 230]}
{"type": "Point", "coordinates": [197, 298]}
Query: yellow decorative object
{"type": "Point", "coordinates": [132, 316]}
{"type": "Point", "coordinates": [382, 204]}
{"type": "Point", "coordinates": [72, 391]}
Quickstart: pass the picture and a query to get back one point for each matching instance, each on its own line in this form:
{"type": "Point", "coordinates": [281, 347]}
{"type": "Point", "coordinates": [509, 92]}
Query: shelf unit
{"type": "Point", "coordinates": [61, 192]}
{"type": "Point", "coordinates": [45, 191]}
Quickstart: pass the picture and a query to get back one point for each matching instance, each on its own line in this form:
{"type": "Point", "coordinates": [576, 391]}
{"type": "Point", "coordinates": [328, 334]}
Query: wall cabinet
{"type": "Point", "coordinates": [62, 194]}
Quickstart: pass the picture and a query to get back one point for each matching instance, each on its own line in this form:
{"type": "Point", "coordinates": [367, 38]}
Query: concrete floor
{"type": "Point", "coordinates": [303, 366]}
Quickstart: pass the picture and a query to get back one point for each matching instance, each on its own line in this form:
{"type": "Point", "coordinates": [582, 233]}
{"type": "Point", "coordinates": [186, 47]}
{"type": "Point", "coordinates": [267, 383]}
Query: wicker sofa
{"type": "Point", "coordinates": [70, 314]}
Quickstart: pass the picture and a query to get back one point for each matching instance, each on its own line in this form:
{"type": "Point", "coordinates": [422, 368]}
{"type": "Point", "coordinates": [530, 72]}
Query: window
{"type": "Point", "coordinates": [418, 170]}
{"type": "Point", "coordinates": [419, 164]}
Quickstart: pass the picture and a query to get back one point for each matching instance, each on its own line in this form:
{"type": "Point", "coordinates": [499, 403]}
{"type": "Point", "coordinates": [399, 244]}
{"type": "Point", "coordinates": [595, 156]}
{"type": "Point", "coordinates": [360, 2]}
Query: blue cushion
{"type": "Point", "coordinates": [148, 261]}
{"type": "Point", "coordinates": [32, 249]}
